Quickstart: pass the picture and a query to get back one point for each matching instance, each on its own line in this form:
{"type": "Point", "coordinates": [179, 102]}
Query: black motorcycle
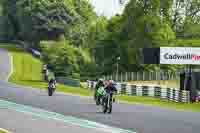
{"type": "Point", "coordinates": [99, 95]}
{"type": "Point", "coordinates": [99, 100]}
{"type": "Point", "coordinates": [51, 90]}
{"type": "Point", "coordinates": [107, 101]}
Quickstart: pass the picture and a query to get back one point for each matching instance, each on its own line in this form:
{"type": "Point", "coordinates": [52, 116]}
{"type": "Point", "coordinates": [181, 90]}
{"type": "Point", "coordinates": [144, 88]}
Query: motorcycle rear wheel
{"type": "Point", "coordinates": [50, 92]}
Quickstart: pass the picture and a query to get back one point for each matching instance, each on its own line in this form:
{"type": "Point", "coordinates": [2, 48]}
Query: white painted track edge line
{"type": "Point", "coordinates": [11, 66]}
{"type": "Point", "coordinates": [56, 116]}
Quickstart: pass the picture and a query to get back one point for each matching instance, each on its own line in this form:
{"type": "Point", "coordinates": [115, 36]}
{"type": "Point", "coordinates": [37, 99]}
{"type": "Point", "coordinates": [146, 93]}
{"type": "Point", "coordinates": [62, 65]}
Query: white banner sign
{"type": "Point", "coordinates": [179, 55]}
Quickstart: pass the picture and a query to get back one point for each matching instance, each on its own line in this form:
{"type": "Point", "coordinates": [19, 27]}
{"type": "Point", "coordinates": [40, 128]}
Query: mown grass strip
{"type": "Point", "coordinates": [3, 131]}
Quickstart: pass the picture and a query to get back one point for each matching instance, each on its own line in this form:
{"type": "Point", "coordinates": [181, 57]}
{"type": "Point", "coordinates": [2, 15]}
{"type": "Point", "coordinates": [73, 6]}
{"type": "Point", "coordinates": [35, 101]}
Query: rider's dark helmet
{"type": "Point", "coordinates": [51, 80]}
{"type": "Point", "coordinates": [100, 80]}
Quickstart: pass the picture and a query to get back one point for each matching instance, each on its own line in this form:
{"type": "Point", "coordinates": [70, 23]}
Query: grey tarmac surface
{"type": "Point", "coordinates": [140, 118]}
{"type": "Point", "coordinates": [143, 119]}
{"type": "Point", "coordinates": [17, 122]}
{"type": "Point", "coordinates": [4, 64]}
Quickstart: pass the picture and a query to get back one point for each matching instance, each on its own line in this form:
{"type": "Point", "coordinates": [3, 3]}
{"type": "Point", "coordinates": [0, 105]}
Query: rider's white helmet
{"type": "Point", "coordinates": [111, 81]}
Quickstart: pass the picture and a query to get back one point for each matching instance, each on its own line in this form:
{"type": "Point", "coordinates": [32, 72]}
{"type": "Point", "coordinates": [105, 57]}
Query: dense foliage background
{"type": "Point", "coordinates": [78, 43]}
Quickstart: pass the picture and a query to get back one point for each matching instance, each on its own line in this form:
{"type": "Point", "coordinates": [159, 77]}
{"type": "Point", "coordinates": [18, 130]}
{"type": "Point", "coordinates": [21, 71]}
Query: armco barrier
{"type": "Point", "coordinates": [128, 90]}
{"type": "Point", "coordinates": [157, 92]}
{"type": "Point", "coordinates": [164, 93]}
{"type": "Point", "coordinates": [151, 91]}
{"type": "Point", "coordinates": [176, 95]}
{"type": "Point", "coordinates": [123, 88]}
{"type": "Point", "coordinates": [170, 94]}
{"type": "Point", "coordinates": [145, 91]}
{"type": "Point", "coordinates": [133, 90]}
{"type": "Point", "coordinates": [139, 91]}
{"type": "Point", "coordinates": [185, 96]}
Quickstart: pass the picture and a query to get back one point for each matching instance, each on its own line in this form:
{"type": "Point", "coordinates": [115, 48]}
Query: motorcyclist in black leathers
{"type": "Point", "coordinates": [110, 88]}
{"type": "Point", "coordinates": [52, 84]}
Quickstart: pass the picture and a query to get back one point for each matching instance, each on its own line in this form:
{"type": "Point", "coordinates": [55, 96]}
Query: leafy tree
{"type": "Point", "coordinates": [63, 57]}
{"type": "Point", "coordinates": [90, 45]}
{"type": "Point", "coordinates": [84, 17]}
{"type": "Point", "coordinates": [35, 20]}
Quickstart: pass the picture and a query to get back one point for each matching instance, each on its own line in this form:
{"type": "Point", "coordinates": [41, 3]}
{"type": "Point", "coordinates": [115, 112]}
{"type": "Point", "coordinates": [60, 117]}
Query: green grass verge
{"type": "Point", "coordinates": [160, 103]}
{"type": "Point", "coordinates": [187, 42]}
{"type": "Point", "coordinates": [27, 72]}
{"type": "Point", "coordinates": [1, 131]}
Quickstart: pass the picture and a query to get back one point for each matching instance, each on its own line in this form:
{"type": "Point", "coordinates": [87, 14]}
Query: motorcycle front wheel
{"type": "Point", "coordinates": [97, 101]}
{"type": "Point", "coordinates": [50, 91]}
{"type": "Point", "coordinates": [104, 105]}
{"type": "Point", "coordinates": [110, 107]}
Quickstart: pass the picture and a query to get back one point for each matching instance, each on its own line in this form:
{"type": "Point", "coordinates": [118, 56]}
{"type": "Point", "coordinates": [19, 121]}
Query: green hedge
{"type": "Point", "coordinates": [68, 81]}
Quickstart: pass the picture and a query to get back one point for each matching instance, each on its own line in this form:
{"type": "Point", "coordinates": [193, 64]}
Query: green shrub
{"type": "Point", "coordinates": [76, 75]}
{"type": "Point", "coordinates": [64, 57]}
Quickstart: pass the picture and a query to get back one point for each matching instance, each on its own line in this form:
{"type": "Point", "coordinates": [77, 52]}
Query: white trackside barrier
{"type": "Point", "coordinates": [171, 98]}
{"type": "Point", "coordinates": [170, 94]}
{"type": "Point", "coordinates": [176, 95]}
{"type": "Point", "coordinates": [139, 91]}
{"type": "Point", "coordinates": [184, 96]}
{"type": "Point", "coordinates": [118, 86]}
{"type": "Point", "coordinates": [163, 93]}
{"type": "Point", "coordinates": [89, 84]}
{"type": "Point", "coordinates": [128, 89]}
{"type": "Point", "coordinates": [151, 91]}
{"type": "Point", "coordinates": [133, 90]}
{"type": "Point", "coordinates": [94, 85]}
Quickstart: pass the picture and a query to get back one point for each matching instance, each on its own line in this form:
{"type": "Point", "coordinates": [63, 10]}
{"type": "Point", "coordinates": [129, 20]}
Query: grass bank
{"type": "Point", "coordinates": [3, 131]}
{"type": "Point", "coordinates": [160, 103]}
{"type": "Point", "coordinates": [27, 72]}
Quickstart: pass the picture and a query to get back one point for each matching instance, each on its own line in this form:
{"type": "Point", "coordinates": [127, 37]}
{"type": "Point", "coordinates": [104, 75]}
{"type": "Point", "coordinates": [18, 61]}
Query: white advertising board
{"type": "Point", "coordinates": [179, 55]}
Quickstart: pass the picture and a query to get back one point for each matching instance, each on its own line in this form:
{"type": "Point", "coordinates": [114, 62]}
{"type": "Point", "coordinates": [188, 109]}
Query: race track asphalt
{"type": "Point", "coordinates": [140, 118]}
{"type": "Point", "coordinates": [18, 122]}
